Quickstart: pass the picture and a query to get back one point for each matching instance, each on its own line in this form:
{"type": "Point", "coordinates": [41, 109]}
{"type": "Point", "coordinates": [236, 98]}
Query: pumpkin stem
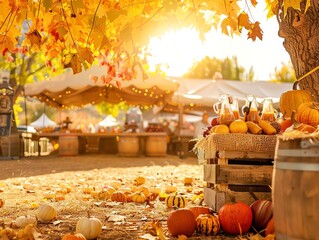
{"type": "Point", "coordinates": [294, 86]}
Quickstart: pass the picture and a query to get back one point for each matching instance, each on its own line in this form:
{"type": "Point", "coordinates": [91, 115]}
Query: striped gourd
{"type": "Point", "coordinates": [207, 224]}
{"type": "Point", "coordinates": [176, 201]}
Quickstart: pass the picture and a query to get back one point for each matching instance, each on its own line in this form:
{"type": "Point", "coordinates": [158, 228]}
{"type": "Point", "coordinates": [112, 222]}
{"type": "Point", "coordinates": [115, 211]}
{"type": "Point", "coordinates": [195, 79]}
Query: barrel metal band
{"type": "Point", "coordinates": [297, 153]}
{"type": "Point", "coordinates": [314, 167]}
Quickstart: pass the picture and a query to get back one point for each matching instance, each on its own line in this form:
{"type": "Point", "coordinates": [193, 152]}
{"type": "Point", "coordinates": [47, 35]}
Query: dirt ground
{"type": "Point", "coordinates": [67, 184]}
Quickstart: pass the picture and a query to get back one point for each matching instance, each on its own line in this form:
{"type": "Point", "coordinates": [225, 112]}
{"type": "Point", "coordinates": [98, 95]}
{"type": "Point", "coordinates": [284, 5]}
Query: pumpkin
{"type": "Point", "coordinates": [116, 184]}
{"type": "Point", "coordinates": [138, 197]}
{"type": "Point", "coordinates": [188, 181]}
{"type": "Point", "coordinates": [197, 210]}
{"type": "Point", "coordinates": [235, 218]}
{"type": "Point", "coordinates": [181, 222]}
{"type": "Point", "coordinates": [77, 236]}
{"type": "Point", "coordinates": [238, 126]}
{"type": "Point", "coordinates": [262, 213]}
{"type": "Point", "coordinates": [46, 213]}
{"type": "Point", "coordinates": [22, 221]}
{"type": "Point", "coordinates": [175, 201]}
{"type": "Point", "coordinates": [90, 227]}
{"type": "Point", "coordinates": [139, 181]}
{"type": "Point", "coordinates": [170, 189]}
{"type": "Point", "coordinates": [156, 190]}
{"type": "Point", "coordinates": [270, 228]}
{"type": "Point", "coordinates": [109, 189]}
{"type": "Point", "coordinates": [308, 113]}
{"type": "Point", "coordinates": [102, 195]}
{"type": "Point", "coordinates": [118, 196]}
{"type": "Point", "coordinates": [207, 224]}
{"type": "Point", "coordinates": [144, 190]}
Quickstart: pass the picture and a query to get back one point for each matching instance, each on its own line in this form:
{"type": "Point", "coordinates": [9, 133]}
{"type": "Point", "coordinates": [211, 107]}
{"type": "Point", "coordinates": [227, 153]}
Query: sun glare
{"type": "Point", "coordinates": [175, 51]}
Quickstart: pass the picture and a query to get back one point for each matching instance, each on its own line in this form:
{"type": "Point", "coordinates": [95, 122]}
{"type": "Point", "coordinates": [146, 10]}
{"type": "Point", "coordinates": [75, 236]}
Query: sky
{"type": "Point", "coordinates": [180, 50]}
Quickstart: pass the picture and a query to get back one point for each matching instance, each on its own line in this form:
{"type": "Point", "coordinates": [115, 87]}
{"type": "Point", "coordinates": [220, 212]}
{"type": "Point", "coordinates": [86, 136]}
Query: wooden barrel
{"type": "Point", "coordinates": [11, 146]}
{"type": "Point", "coordinates": [128, 146]}
{"type": "Point", "coordinates": [68, 145]}
{"type": "Point", "coordinates": [156, 146]}
{"type": "Point", "coordinates": [295, 191]}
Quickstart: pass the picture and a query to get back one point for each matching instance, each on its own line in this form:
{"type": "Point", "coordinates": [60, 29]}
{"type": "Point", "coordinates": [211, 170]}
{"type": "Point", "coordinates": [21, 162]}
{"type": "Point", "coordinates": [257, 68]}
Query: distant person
{"type": "Point", "coordinates": [201, 125]}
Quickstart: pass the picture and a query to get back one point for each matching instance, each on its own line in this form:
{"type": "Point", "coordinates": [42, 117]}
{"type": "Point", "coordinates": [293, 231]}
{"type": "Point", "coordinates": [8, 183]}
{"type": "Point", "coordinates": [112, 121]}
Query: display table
{"type": "Point", "coordinates": [238, 166]}
{"type": "Point", "coordinates": [124, 144]}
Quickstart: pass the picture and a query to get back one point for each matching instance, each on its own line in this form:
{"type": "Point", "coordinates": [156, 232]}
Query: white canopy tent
{"type": "Point", "coordinates": [200, 94]}
{"type": "Point", "coordinates": [109, 121]}
{"type": "Point", "coordinates": [43, 121]}
{"type": "Point", "coordinates": [77, 90]}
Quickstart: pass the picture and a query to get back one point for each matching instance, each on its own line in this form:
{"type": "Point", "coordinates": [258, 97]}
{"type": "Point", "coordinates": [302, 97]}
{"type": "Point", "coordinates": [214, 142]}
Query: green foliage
{"type": "Point", "coordinates": [208, 68]}
{"type": "Point", "coordinates": [111, 109]}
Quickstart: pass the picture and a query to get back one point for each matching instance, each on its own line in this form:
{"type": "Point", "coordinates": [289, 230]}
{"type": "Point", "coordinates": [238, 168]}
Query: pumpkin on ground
{"type": "Point", "coordinates": [197, 210]}
{"type": "Point", "coordinates": [90, 227]}
{"type": "Point", "coordinates": [181, 222]}
{"type": "Point", "coordinates": [118, 196]}
{"type": "Point", "coordinates": [290, 100]}
{"type": "Point", "coordinates": [46, 213]}
{"type": "Point", "coordinates": [76, 236]}
{"type": "Point", "coordinates": [176, 201]}
{"type": "Point", "coordinates": [262, 213]}
{"type": "Point", "coordinates": [308, 113]}
{"type": "Point", "coordinates": [23, 221]}
{"type": "Point", "coordinates": [235, 218]}
{"type": "Point", "coordinates": [138, 197]}
{"type": "Point", "coordinates": [270, 228]}
{"type": "Point", "coordinates": [207, 224]}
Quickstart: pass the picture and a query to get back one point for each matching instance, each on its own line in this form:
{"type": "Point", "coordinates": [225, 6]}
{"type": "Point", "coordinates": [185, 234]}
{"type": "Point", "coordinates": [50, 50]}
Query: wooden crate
{"type": "Point", "coordinates": [243, 175]}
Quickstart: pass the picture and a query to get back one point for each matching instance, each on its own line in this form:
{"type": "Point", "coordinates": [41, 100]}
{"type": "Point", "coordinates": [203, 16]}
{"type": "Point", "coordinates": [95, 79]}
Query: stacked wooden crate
{"type": "Point", "coordinates": [238, 166]}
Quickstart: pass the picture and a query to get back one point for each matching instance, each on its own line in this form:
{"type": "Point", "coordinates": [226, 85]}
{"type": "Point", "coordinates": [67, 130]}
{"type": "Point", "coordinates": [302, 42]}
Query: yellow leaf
{"type": "Point", "coordinates": [228, 26]}
{"type": "Point", "coordinates": [272, 7]}
{"type": "Point", "coordinates": [243, 21]}
{"type": "Point", "coordinates": [291, 3]}
{"type": "Point", "coordinates": [307, 5]}
{"type": "Point", "coordinates": [255, 32]}
{"type": "Point", "coordinates": [5, 44]}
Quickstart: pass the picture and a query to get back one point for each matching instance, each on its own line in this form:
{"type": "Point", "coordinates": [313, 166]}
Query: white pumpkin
{"type": "Point", "coordinates": [46, 213]}
{"type": "Point", "coordinates": [90, 227]}
{"type": "Point", "coordinates": [22, 221]}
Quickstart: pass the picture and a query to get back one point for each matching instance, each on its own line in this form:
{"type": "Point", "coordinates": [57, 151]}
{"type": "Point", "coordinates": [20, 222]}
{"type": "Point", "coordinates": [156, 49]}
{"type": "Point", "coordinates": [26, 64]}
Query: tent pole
{"type": "Point", "coordinates": [181, 153]}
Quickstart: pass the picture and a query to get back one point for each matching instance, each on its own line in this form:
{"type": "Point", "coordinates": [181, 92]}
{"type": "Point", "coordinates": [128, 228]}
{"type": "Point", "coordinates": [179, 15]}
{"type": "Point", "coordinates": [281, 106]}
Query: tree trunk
{"type": "Point", "coordinates": [301, 40]}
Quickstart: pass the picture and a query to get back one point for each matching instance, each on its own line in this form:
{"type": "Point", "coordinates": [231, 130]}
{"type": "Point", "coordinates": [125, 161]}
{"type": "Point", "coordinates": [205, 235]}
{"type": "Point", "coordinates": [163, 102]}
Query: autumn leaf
{"type": "Point", "coordinates": [71, 60]}
{"type": "Point", "coordinates": [228, 26]}
{"type": "Point", "coordinates": [253, 2]}
{"type": "Point", "coordinates": [35, 38]}
{"type": "Point", "coordinates": [6, 44]}
{"type": "Point", "coordinates": [243, 21]}
{"type": "Point", "coordinates": [271, 7]}
{"type": "Point", "coordinates": [86, 55]}
{"type": "Point", "coordinates": [291, 3]}
{"type": "Point", "coordinates": [255, 32]}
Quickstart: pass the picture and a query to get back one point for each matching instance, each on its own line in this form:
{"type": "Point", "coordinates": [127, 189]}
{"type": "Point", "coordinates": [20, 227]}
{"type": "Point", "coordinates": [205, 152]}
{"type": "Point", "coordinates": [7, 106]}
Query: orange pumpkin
{"type": "Point", "coordinates": [308, 113]}
{"type": "Point", "coordinates": [290, 100]}
{"type": "Point", "coordinates": [270, 228]}
{"type": "Point", "coordinates": [197, 210]}
{"type": "Point", "coordinates": [118, 196]}
{"type": "Point", "coordinates": [181, 222]}
{"type": "Point", "coordinates": [77, 236]}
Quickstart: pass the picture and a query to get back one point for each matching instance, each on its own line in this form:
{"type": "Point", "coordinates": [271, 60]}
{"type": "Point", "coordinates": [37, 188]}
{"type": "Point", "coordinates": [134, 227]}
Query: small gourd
{"type": "Point", "coordinates": [139, 181]}
{"type": "Point", "coordinates": [170, 189]}
{"type": "Point", "coordinates": [76, 236]}
{"type": "Point", "coordinates": [90, 227]}
{"type": "Point", "coordinates": [308, 113]}
{"type": "Point", "coordinates": [46, 213]}
{"type": "Point", "coordinates": [118, 196]}
{"type": "Point", "coordinates": [144, 190]}
{"type": "Point", "coordinates": [138, 197]}
{"type": "Point", "coordinates": [207, 224]}
{"type": "Point", "coordinates": [176, 201]}
{"type": "Point", "coordinates": [22, 221]}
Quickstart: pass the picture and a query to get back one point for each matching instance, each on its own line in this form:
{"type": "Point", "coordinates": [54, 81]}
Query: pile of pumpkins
{"type": "Point", "coordinates": [300, 113]}
{"type": "Point", "coordinates": [232, 218]}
